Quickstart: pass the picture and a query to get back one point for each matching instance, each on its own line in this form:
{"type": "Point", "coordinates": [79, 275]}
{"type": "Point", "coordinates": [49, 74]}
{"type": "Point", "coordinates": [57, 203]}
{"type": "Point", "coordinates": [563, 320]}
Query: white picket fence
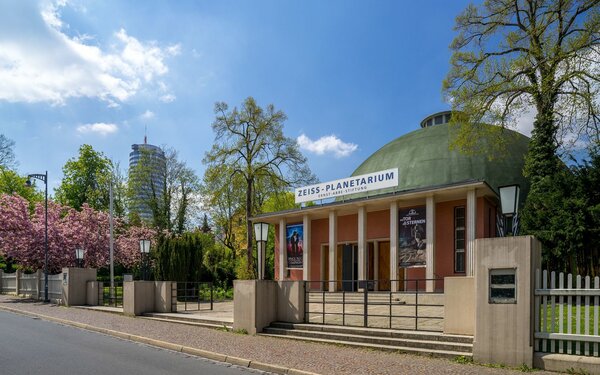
{"type": "Point", "coordinates": [31, 285]}
{"type": "Point", "coordinates": [8, 282]}
{"type": "Point", "coordinates": [566, 314]}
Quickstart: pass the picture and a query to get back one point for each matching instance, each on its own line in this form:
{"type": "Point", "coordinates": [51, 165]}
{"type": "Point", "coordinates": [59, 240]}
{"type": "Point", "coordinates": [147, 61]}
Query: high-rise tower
{"type": "Point", "coordinates": [147, 170]}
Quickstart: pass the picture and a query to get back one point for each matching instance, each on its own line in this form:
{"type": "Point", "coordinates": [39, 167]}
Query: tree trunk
{"type": "Point", "coordinates": [541, 160]}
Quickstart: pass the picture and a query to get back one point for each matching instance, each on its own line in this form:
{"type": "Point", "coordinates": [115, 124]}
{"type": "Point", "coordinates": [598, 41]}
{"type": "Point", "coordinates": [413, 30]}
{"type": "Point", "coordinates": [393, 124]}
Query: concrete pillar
{"type": "Point", "coordinates": [1, 274]}
{"type": "Point", "coordinates": [430, 246]}
{"type": "Point", "coordinates": [362, 244]}
{"type": "Point", "coordinates": [394, 246]}
{"type": "Point", "coordinates": [376, 264]}
{"type": "Point", "coordinates": [138, 297]}
{"type": "Point", "coordinates": [504, 330]}
{"type": "Point", "coordinates": [75, 285]}
{"type": "Point", "coordinates": [94, 294]}
{"type": "Point", "coordinates": [332, 250]}
{"type": "Point", "coordinates": [471, 230]}
{"type": "Point", "coordinates": [282, 249]}
{"type": "Point", "coordinates": [306, 251]}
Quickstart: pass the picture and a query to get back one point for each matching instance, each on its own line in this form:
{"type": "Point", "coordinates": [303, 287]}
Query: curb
{"type": "Point", "coordinates": [218, 357]}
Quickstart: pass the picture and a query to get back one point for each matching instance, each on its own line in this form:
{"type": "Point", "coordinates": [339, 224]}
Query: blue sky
{"type": "Point", "coordinates": [350, 75]}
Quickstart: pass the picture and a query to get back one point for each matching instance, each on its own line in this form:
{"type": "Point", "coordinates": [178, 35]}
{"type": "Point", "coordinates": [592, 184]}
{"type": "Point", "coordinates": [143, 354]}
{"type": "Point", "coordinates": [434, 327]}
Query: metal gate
{"type": "Point", "coordinates": [411, 309]}
{"type": "Point", "coordinates": [192, 296]}
{"type": "Point", "coordinates": [108, 296]}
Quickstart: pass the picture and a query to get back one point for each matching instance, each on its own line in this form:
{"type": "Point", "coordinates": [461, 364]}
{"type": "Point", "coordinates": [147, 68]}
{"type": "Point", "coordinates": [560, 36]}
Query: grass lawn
{"type": "Point", "coordinates": [565, 320]}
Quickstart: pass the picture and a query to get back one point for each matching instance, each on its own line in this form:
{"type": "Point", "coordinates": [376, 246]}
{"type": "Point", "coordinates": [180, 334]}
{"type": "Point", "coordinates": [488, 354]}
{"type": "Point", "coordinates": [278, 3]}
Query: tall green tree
{"type": "Point", "coordinates": [223, 196]}
{"type": "Point", "coordinates": [86, 180]}
{"type": "Point", "coordinates": [514, 55]}
{"type": "Point", "coordinates": [250, 142]}
{"type": "Point", "coordinates": [13, 183]}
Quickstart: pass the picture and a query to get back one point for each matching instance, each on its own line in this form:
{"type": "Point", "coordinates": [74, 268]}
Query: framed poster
{"type": "Point", "coordinates": [413, 236]}
{"type": "Point", "coordinates": [294, 237]}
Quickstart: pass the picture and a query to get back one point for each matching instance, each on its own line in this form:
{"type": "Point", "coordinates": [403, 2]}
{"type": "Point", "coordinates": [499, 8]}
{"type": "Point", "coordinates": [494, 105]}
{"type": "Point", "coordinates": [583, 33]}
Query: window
{"type": "Point", "coordinates": [459, 239]}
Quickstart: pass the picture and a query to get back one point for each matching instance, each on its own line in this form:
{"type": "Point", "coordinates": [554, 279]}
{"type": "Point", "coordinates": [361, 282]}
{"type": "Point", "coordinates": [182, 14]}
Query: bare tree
{"type": "Point", "coordinates": [7, 153]}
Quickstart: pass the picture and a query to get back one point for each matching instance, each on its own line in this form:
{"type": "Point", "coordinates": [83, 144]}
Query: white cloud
{"type": "Point", "coordinates": [148, 115]}
{"type": "Point", "coordinates": [327, 144]}
{"type": "Point", "coordinates": [167, 98]}
{"type": "Point", "coordinates": [41, 63]}
{"type": "Point", "coordinates": [100, 128]}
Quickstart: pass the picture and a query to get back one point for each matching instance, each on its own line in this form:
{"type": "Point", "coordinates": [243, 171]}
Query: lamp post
{"type": "Point", "coordinates": [261, 232]}
{"type": "Point", "coordinates": [79, 257]}
{"type": "Point", "coordinates": [44, 179]}
{"type": "Point", "coordinates": [145, 250]}
{"type": "Point", "coordinates": [509, 203]}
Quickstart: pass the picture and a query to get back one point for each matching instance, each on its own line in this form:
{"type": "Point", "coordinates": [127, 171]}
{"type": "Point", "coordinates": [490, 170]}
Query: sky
{"type": "Point", "coordinates": [351, 76]}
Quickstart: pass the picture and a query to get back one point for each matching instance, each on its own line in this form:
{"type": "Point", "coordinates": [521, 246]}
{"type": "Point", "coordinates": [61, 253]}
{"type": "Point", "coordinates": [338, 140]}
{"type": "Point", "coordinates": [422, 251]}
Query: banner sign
{"type": "Point", "coordinates": [413, 236]}
{"type": "Point", "coordinates": [295, 245]}
{"type": "Point", "coordinates": [346, 186]}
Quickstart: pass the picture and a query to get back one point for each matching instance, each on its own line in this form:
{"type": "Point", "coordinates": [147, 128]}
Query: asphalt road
{"type": "Point", "coordinates": [33, 346]}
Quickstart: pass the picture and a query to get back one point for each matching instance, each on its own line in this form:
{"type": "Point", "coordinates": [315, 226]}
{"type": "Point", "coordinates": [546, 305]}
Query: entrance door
{"type": "Point", "coordinates": [384, 265]}
{"type": "Point", "coordinates": [349, 268]}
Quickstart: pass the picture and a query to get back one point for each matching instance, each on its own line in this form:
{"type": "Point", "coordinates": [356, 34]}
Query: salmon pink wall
{"type": "Point", "coordinates": [378, 224]}
{"type": "Point", "coordinates": [347, 230]}
{"type": "Point", "coordinates": [319, 235]}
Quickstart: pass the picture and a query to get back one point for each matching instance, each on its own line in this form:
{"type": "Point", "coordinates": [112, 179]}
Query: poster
{"type": "Point", "coordinates": [413, 236]}
{"type": "Point", "coordinates": [294, 235]}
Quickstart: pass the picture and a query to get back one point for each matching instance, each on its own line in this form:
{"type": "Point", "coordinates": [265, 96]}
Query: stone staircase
{"type": "Point", "coordinates": [415, 342]}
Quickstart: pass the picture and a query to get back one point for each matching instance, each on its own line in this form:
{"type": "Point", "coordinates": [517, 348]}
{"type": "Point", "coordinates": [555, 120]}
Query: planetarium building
{"type": "Point", "coordinates": [406, 218]}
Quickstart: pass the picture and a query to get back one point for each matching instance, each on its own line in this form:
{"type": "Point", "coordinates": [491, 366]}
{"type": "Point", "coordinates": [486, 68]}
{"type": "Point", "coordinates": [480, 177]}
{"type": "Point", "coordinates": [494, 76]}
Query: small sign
{"type": "Point", "coordinates": [503, 285]}
{"type": "Point", "coordinates": [65, 278]}
{"type": "Point", "coordinates": [351, 185]}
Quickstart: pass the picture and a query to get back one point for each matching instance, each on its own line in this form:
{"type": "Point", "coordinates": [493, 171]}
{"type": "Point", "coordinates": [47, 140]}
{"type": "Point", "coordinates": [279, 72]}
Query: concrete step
{"type": "Point", "coordinates": [399, 349]}
{"type": "Point", "coordinates": [375, 332]}
{"type": "Point", "coordinates": [375, 340]}
{"type": "Point", "coordinates": [207, 323]}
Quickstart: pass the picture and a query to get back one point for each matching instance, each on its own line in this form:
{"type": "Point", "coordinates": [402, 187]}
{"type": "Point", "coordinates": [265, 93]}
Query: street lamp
{"type": "Point", "coordinates": [79, 257]}
{"type": "Point", "coordinates": [261, 232]}
{"type": "Point", "coordinates": [44, 179]}
{"type": "Point", "coordinates": [145, 249]}
{"type": "Point", "coordinates": [509, 203]}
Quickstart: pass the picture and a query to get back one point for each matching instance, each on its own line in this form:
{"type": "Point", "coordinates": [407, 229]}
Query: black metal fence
{"type": "Point", "coordinates": [110, 296]}
{"type": "Point", "coordinates": [192, 296]}
{"type": "Point", "coordinates": [362, 303]}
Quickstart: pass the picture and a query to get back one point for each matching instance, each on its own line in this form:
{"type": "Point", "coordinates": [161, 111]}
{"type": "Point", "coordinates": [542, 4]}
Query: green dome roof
{"type": "Point", "coordinates": [424, 160]}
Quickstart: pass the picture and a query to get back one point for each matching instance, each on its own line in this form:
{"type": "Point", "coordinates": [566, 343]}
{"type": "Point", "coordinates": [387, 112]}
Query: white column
{"type": "Point", "coordinates": [362, 243]}
{"type": "Point", "coordinates": [471, 230]}
{"type": "Point", "coordinates": [376, 264]}
{"type": "Point", "coordinates": [282, 249]}
{"type": "Point", "coordinates": [394, 246]}
{"type": "Point", "coordinates": [430, 247]}
{"type": "Point", "coordinates": [332, 250]}
{"type": "Point", "coordinates": [306, 250]}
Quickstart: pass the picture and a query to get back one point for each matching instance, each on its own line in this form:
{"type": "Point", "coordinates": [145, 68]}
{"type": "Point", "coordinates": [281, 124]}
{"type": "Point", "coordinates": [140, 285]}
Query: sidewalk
{"type": "Point", "coordinates": [283, 354]}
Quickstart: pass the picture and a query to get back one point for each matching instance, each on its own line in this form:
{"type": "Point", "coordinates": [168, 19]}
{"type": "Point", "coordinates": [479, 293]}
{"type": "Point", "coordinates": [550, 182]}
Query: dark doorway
{"type": "Point", "coordinates": [349, 268]}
